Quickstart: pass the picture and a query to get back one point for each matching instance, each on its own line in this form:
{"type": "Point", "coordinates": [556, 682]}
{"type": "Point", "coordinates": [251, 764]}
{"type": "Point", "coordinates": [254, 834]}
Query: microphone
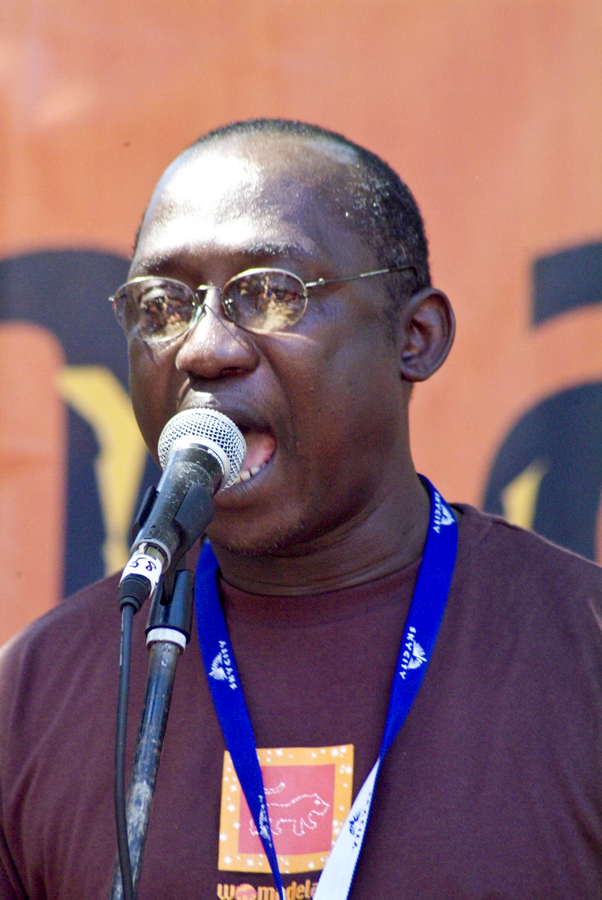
{"type": "Point", "coordinates": [201, 451]}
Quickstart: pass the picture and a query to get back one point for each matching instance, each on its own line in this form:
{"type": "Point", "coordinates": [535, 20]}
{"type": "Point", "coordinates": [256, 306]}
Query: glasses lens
{"type": "Point", "coordinates": [154, 309]}
{"type": "Point", "coordinates": [265, 299]}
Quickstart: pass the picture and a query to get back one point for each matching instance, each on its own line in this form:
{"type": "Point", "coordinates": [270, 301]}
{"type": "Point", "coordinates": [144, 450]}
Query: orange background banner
{"type": "Point", "coordinates": [488, 109]}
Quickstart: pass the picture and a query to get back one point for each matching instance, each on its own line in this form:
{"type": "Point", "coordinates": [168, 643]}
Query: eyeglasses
{"type": "Point", "coordinates": [263, 300]}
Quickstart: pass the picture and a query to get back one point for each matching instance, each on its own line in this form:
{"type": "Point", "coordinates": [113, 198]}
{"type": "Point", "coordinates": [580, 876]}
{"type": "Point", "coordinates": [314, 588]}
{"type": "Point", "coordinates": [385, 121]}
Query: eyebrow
{"type": "Point", "coordinates": [280, 248]}
{"type": "Point", "coordinates": [260, 249]}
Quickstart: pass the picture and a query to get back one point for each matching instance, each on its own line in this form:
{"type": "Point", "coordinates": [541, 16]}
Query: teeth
{"type": "Point", "coordinates": [246, 474]}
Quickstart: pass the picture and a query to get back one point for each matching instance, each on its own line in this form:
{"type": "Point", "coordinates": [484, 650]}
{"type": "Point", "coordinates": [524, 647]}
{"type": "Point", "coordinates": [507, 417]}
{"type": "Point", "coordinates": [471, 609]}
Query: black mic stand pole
{"type": "Point", "coordinates": [168, 632]}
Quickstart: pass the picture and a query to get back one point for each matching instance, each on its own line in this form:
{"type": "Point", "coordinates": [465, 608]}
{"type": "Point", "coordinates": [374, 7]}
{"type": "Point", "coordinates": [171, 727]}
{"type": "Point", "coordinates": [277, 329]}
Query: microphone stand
{"type": "Point", "coordinates": [202, 449]}
{"type": "Point", "coordinates": [168, 631]}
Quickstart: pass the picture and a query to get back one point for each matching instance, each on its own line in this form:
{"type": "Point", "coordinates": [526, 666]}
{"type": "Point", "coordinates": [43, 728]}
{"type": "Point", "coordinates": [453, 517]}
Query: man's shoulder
{"type": "Point", "coordinates": [489, 534]}
{"type": "Point", "coordinates": [51, 670]}
{"type": "Point", "coordinates": [86, 615]}
{"type": "Point", "coordinates": [519, 566]}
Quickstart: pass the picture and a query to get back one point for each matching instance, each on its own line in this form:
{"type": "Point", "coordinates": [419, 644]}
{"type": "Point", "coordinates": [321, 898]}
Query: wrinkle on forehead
{"type": "Point", "coordinates": [223, 192]}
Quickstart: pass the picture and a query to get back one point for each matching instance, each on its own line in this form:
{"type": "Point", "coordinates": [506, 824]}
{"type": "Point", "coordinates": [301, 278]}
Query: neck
{"type": "Point", "coordinates": [376, 543]}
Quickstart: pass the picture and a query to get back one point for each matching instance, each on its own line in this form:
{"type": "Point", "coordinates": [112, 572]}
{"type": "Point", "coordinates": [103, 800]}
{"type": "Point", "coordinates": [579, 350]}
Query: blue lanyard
{"type": "Point", "coordinates": [417, 644]}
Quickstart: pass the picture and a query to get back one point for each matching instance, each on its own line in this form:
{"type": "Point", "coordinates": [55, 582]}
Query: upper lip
{"type": "Point", "coordinates": [244, 416]}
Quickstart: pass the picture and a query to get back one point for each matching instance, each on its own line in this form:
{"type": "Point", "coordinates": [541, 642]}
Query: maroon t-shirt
{"type": "Point", "coordinates": [492, 789]}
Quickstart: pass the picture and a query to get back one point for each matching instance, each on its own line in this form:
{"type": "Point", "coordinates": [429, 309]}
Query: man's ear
{"type": "Point", "coordinates": [426, 333]}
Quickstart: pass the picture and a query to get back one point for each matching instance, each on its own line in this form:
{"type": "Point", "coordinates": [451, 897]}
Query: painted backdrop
{"type": "Point", "coordinates": [489, 109]}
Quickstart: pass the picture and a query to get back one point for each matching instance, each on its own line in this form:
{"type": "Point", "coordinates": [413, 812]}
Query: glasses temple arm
{"type": "Point", "coordinates": [322, 281]}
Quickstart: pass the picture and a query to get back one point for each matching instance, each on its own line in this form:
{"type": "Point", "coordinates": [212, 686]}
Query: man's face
{"type": "Point", "coordinates": [321, 405]}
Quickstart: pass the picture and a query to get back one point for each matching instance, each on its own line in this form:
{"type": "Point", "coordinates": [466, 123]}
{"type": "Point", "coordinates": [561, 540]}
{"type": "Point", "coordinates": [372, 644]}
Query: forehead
{"type": "Point", "coordinates": [259, 191]}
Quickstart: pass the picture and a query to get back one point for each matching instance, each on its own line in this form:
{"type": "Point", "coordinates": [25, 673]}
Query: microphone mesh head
{"type": "Point", "coordinates": [211, 425]}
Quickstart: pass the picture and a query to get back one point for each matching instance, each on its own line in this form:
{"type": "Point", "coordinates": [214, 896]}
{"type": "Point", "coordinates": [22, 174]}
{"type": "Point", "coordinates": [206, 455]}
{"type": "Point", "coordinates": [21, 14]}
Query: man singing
{"type": "Point", "coordinates": [423, 681]}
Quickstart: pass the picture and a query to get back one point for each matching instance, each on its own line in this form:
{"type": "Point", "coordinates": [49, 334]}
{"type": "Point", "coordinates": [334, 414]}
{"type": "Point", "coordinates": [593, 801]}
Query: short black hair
{"type": "Point", "coordinates": [381, 207]}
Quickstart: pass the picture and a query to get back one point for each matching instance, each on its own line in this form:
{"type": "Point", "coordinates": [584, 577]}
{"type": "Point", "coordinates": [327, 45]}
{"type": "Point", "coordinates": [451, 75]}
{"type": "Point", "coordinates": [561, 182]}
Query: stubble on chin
{"type": "Point", "coordinates": [281, 539]}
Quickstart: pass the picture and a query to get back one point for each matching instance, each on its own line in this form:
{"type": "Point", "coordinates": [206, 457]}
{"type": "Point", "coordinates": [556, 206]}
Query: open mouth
{"type": "Point", "coordinates": [261, 447]}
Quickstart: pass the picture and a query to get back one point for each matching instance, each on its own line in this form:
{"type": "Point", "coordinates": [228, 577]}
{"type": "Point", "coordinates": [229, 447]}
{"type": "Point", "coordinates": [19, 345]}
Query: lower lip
{"type": "Point", "coordinates": [243, 488]}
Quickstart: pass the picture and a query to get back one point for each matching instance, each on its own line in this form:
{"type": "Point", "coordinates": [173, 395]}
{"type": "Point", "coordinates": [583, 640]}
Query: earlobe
{"type": "Point", "coordinates": [427, 326]}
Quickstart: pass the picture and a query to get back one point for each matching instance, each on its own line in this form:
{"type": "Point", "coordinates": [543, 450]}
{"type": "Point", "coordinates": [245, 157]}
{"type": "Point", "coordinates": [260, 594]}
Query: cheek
{"type": "Point", "coordinates": [339, 396]}
{"type": "Point", "coordinates": [150, 393]}
{"type": "Point", "coordinates": [367, 406]}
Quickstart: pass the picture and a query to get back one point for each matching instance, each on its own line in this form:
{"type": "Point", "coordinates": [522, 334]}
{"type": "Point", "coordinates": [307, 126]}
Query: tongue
{"type": "Point", "coordinates": [260, 448]}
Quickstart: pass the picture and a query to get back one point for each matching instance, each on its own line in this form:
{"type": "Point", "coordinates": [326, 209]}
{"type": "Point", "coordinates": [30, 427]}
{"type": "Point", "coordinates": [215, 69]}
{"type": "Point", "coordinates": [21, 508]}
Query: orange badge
{"type": "Point", "coordinates": [308, 792]}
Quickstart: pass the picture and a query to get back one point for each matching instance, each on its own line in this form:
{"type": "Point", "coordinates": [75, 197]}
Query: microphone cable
{"type": "Point", "coordinates": [123, 844]}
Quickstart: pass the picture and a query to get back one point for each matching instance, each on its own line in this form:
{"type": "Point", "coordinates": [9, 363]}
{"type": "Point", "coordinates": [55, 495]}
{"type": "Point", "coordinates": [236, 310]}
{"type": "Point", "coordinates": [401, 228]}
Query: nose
{"type": "Point", "coordinates": [214, 347]}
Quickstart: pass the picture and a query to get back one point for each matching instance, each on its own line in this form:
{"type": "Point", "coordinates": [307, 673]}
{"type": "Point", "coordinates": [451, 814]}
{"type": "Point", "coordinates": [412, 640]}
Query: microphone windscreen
{"type": "Point", "coordinates": [210, 428]}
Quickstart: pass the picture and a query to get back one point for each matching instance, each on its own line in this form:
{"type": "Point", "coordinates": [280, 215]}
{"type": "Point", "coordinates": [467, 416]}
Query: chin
{"type": "Point", "coordinates": [254, 540]}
